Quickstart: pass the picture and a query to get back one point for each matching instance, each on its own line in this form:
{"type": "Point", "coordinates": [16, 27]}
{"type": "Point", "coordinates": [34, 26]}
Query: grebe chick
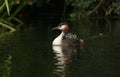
{"type": "Point", "coordinates": [65, 38]}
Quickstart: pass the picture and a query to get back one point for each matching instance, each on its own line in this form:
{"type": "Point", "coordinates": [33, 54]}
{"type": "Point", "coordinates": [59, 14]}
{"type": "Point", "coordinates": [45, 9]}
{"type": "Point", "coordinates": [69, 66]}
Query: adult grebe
{"type": "Point", "coordinates": [66, 38]}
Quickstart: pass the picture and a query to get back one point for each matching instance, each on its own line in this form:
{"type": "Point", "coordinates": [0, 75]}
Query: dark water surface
{"type": "Point", "coordinates": [29, 53]}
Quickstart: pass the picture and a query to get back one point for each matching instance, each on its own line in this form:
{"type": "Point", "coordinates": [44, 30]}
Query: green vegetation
{"type": "Point", "coordinates": [81, 9]}
{"type": "Point", "coordinates": [99, 8]}
{"type": "Point", "coordinates": [7, 17]}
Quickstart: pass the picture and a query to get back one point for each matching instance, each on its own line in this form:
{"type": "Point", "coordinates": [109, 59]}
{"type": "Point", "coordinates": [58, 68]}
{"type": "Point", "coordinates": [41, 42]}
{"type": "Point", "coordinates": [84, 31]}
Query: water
{"type": "Point", "coordinates": [29, 53]}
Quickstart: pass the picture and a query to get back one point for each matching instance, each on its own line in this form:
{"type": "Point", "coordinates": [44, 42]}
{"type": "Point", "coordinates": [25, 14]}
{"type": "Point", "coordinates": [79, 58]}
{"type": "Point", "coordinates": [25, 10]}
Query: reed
{"type": "Point", "coordinates": [6, 17]}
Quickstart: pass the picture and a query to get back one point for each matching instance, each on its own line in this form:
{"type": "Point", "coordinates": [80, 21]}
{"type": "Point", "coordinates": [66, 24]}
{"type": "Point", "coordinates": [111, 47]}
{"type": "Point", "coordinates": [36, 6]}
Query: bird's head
{"type": "Point", "coordinates": [62, 26]}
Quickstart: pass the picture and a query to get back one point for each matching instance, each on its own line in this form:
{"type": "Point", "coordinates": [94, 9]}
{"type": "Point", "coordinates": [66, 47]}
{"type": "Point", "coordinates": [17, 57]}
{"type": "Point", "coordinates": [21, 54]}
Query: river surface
{"type": "Point", "coordinates": [29, 51]}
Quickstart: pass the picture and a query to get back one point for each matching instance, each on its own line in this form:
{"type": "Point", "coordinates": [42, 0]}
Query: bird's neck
{"type": "Point", "coordinates": [62, 35]}
{"type": "Point", "coordinates": [58, 40]}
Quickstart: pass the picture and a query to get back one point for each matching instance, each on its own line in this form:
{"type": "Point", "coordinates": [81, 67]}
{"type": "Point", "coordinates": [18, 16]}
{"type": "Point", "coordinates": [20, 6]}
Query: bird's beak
{"type": "Point", "coordinates": [55, 28]}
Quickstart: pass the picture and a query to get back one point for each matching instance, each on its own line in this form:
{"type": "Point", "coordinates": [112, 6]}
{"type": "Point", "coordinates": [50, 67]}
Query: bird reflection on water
{"type": "Point", "coordinates": [64, 56]}
{"type": "Point", "coordinates": [65, 48]}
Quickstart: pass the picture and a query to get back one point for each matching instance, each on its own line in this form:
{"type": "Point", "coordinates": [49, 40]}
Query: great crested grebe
{"type": "Point", "coordinates": [66, 38]}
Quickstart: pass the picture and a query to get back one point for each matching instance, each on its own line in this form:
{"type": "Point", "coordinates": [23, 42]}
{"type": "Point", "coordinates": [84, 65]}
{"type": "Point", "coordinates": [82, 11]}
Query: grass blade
{"type": "Point", "coordinates": [7, 7]}
{"type": "Point", "coordinates": [5, 25]}
{"type": "Point", "coordinates": [2, 7]}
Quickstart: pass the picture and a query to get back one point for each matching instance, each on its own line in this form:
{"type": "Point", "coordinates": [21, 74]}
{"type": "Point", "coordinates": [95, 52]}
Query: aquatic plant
{"type": "Point", "coordinates": [7, 17]}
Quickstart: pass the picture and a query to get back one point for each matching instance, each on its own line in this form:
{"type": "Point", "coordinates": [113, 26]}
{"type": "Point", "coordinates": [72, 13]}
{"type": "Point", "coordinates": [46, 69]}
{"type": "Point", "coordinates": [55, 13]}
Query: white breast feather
{"type": "Point", "coordinates": [57, 41]}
